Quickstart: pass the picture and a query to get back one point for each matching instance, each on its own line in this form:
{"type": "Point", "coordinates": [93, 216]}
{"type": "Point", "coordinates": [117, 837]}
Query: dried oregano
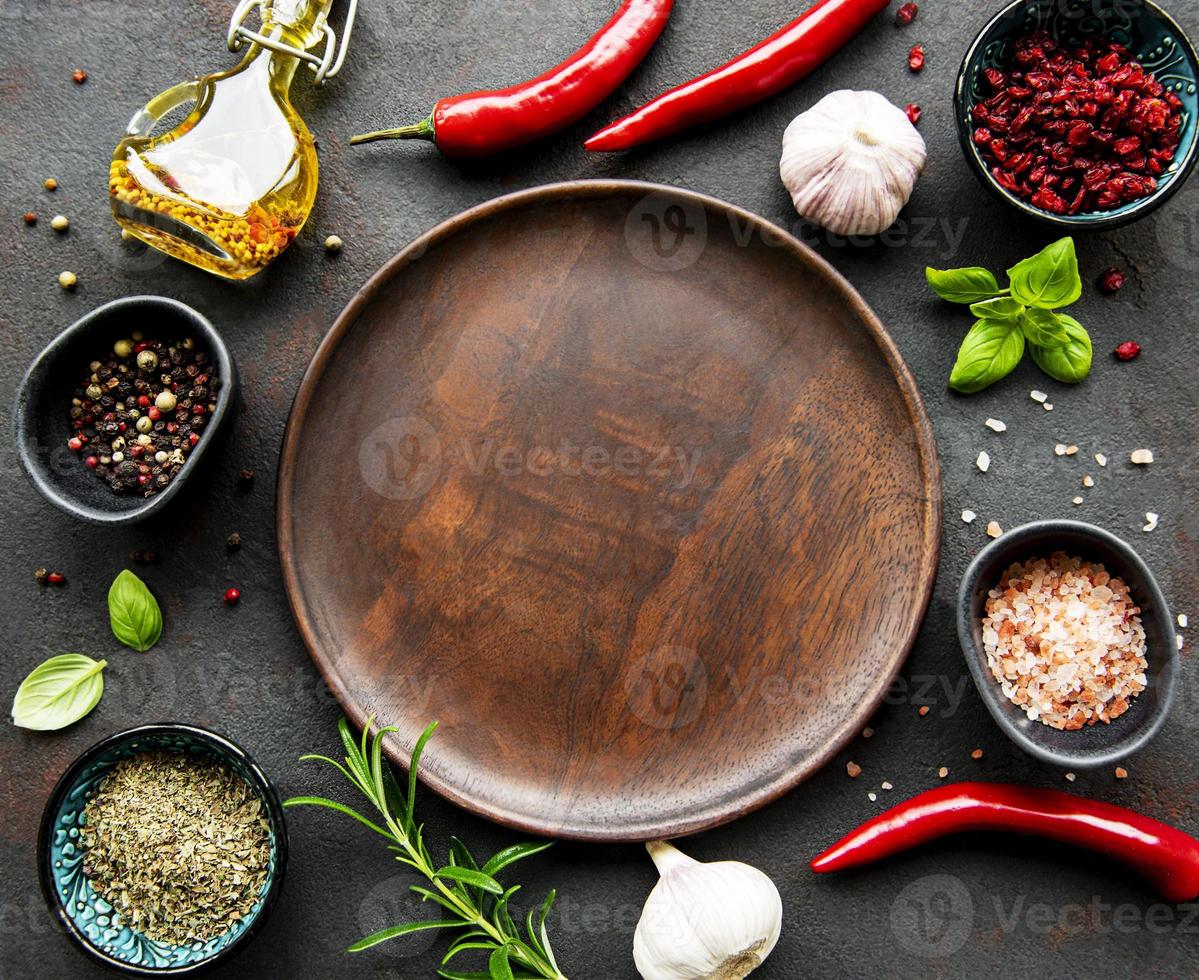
{"type": "Point", "coordinates": [177, 844]}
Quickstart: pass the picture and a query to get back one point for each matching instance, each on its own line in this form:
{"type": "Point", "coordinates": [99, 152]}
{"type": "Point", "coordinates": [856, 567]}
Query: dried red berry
{"type": "Point", "coordinates": [1074, 130]}
{"type": "Point", "coordinates": [91, 462]}
{"type": "Point", "coordinates": [1112, 280]}
{"type": "Point", "coordinates": [916, 58]}
{"type": "Point", "coordinates": [31, 217]}
{"type": "Point", "coordinates": [231, 596]}
{"type": "Point", "coordinates": [56, 578]}
{"type": "Point", "coordinates": [1128, 350]}
{"type": "Point", "coordinates": [80, 76]}
{"type": "Point", "coordinates": [75, 443]}
{"type": "Point", "coordinates": [906, 14]}
{"type": "Point", "coordinates": [913, 112]}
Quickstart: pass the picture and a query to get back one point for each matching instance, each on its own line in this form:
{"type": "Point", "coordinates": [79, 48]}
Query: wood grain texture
{"type": "Point", "coordinates": [626, 488]}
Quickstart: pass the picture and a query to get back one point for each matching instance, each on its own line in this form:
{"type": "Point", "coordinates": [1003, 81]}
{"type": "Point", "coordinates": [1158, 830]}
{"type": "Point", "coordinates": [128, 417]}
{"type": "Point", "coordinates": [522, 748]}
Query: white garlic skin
{"type": "Point", "coordinates": [851, 162]}
{"type": "Point", "coordinates": [715, 921]}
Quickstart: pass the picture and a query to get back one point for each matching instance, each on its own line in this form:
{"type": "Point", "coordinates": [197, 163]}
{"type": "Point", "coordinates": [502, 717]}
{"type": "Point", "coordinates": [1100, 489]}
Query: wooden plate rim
{"type": "Point", "coordinates": [398, 749]}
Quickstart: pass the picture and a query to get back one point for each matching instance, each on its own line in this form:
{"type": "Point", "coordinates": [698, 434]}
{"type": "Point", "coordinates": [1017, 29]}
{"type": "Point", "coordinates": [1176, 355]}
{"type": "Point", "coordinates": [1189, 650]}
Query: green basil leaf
{"type": "Point", "coordinates": [133, 612]}
{"type": "Point", "coordinates": [58, 692]}
{"type": "Point", "coordinates": [999, 308]}
{"type": "Point", "coordinates": [1070, 363]}
{"type": "Point", "coordinates": [1044, 328]}
{"type": "Point", "coordinates": [1049, 279]}
{"type": "Point", "coordinates": [962, 285]}
{"type": "Point", "coordinates": [991, 351]}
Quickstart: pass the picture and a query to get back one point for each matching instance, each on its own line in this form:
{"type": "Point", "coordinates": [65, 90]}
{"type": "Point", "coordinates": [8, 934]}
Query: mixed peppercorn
{"type": "Point", "coordinates": [1080, 130]}
{"type": "Point", "coordinates": [138, 414]}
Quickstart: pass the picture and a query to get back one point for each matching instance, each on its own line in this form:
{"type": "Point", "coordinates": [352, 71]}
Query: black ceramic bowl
{"type": "Point", "coordinates": [1155, 39]}
{"type": "Point", "coordinates": [41, 420]}
{"type": "Point", "coordinates": [86, 917]}
{"type": "Point", "coordinates": [1100, 744]}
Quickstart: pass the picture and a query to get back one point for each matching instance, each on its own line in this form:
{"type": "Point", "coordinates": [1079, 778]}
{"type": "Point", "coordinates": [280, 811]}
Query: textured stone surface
{"type": "Point", "coordinates": [963, 908]}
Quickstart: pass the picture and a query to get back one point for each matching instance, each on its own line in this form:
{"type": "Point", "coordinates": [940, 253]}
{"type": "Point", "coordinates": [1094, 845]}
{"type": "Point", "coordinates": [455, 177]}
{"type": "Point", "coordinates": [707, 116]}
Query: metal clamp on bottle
{"type": "Point", "coordinates": [325, 66]}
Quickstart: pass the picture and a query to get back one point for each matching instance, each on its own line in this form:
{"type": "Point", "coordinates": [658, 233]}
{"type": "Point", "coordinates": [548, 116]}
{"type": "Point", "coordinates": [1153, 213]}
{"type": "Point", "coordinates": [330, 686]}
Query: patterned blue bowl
{"type": "Point", "coordinates": [1153, 37]}
{"type": "Point", "coordinates": [92, 922]}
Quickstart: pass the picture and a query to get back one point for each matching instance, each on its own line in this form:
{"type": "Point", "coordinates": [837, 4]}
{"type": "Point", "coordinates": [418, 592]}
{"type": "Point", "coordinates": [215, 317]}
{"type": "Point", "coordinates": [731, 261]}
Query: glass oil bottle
{"type": "Point", "coordinates": [230, 187]}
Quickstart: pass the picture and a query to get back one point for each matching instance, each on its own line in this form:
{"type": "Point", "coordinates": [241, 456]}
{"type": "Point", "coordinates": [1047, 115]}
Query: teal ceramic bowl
{"type": "Point", "coordinates": [1156, 41]}
{"type": "Point", "coordinates": [92, 922]}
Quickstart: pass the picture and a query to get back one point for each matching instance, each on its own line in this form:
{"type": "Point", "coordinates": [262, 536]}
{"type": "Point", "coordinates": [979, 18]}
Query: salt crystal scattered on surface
{"type": "Point", "coordinates": [968, 516]}
{"type": "Point", "coordinates": [1151, 520]}
{"type": "Point", "coordinates": [1038, 396]}
{"type": "Point", "coordinates": [1059, 449]}
{"type": "Point", "coordinates": [1048, 407]}
{"type": "Point", "coordinates": [1101, 459]}
{"type": "Point", "coordinates": [1070, 777]}
{"type": "Point", "coordinates": [943, 772]}
{"type": "Point", "coordinates": [1182, 620]}
{"type": "Point", "coordinates": [1142, 457]}
{"type": "Point", "coordinates": [873, 797]}
{"type": "Point", "coordinates": [887, 786]}
{"type": "Point", "coordinates": [1180, 641]}
{"type": "Point", "coordinates": [1088, 481]}
{"type": "Point", "coordinates": [983, 462]}
{"type": "Point", "coordinates": [995, 425]}
{"type": "Point", "coordinates": [1071, 450]}
{"type": "Point", "coordinates": [994, 530]}
{"type": "Point", "coordinates": [1076, 501]}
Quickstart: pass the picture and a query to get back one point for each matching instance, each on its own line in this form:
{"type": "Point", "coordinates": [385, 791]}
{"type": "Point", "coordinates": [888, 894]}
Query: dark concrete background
{"type": "Point", "coordinates": [966, 908]}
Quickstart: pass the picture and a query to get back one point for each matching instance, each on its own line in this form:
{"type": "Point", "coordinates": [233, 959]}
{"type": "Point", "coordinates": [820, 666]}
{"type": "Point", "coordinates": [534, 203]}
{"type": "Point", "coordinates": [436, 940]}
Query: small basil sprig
{"type": "Point", "coordinates": [1023, 315]}
{"type": "Point", "coordinates": [58, 692]}
{"type": "Point", "coordinates": [133, 612]}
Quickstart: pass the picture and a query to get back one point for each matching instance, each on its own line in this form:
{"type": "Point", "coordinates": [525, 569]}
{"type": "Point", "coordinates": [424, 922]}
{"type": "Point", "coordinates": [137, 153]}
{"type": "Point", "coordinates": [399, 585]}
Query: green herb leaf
{"type": "Point", "coordinates": [133, 612]}
{"type": "Point", "coordinates": [991, 351]}
{"type": "Point", "coordinates": [1070, 363]}
{"type": "Point", "coordinates": [1049, 279]}
{"type": "Point", "coordinates": [1044, 328]}
{"type": "Point", "coordinates": [469, 877]}
{"type": "Point", "coordinates": [509, 855]}
{"type": "Point", "coordinates": [999, 308]}
{"type": "Point", "coordinates": [58, 692]}
{"type": "Point", "coordinates": [962, 285]}
{"type": "Point", "coordinates": [498, 965]}
{"type": "Point", "coordinates": [403, 930]}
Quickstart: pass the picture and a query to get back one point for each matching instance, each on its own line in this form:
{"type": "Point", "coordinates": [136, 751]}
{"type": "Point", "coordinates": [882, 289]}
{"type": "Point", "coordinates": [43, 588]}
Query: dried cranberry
{"type": "Point", "coordinates": [913, 112]}
{"type": "Point", "coordinates": [1128, 350]}
{"type": "Point", "coordinates": [1111, 280]}
{"type": "Point", "coordinates": [232, 596]}
{"type": "Point", "coordinates": [916, 58]}
{"type": "Point", "coordinates": [906, 14]}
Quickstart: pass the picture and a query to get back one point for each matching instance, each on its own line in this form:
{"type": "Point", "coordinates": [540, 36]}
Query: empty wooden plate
{"type": "Point", "coordinates": [625, 487]}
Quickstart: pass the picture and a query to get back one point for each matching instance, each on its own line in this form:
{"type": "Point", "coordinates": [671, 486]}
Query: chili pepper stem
{"type": "Point", "coordinates": [422, 130]}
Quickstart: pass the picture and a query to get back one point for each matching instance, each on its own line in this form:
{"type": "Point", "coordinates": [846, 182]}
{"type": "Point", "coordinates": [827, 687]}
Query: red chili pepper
{"type": "Point", "coordinates": [1166, 856]}
{"type": "Point", "coordinates": [778, 62]}
{"type": "Point", "coordinates": [481, 123]}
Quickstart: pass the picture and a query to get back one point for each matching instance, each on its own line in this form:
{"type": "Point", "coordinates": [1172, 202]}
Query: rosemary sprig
{"type": "Point", "coordinates": [473, 902]}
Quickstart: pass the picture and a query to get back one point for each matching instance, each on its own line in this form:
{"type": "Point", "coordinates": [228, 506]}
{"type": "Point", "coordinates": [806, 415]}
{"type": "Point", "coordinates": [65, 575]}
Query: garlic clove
{"type": "Point", "coordinates": [715, 921]}
{"type": "Point", "coordinates": [851, 162]}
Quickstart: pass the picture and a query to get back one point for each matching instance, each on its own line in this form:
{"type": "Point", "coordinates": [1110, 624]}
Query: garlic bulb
{"type": "Point", "coordinates": [851, 161]}
{"type": "Point", "coordinates": [714, 921]}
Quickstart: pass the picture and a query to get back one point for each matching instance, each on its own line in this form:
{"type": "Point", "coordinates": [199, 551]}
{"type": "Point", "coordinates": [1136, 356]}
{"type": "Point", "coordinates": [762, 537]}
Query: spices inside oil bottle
{"type": "Point", "coordinates": [230, 187]}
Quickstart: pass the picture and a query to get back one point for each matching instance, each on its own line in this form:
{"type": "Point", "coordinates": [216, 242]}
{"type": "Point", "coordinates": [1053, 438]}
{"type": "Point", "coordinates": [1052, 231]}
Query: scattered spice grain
{"type": "Point", "coordinates": [1121, 772]}
{"type": "Point", "coordinates": [976, 754]}
{"type": "Point", "coordinates": [31, 217]}
{"type": "Point", "coordinates": [1142, 457]}
{"type": "Point", "coordinates": [994, 530]}
{"type": "Point", "coordinates": [50, 184]}
{"type": "Point", "coordinates": [923, 710]}
{"type": "Point", "coordinates": [79, 76]}
{"type": "Point", "coordinates": [853, 770]}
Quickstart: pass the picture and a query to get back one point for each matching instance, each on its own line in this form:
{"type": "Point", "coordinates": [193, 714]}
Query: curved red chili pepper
{"type": "Point", "coordinates": [778, 62]}
{"type": "Point", "coordinates": [1166, 856]}
{"type": "Point", "coordinates": [482, 123]}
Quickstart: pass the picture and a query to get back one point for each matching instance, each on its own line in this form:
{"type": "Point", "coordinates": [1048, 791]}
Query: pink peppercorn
{"type": "Point", "coordinates": [916, 58]}
{"type": "Point", "coordinates": [906, 14]}
{"type": "Point", "coordinates": [1128, 350]}
{"type": "Point", "coordinates": [232, 596]}
{"type": "Point", "coordinates": [913, 112]}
